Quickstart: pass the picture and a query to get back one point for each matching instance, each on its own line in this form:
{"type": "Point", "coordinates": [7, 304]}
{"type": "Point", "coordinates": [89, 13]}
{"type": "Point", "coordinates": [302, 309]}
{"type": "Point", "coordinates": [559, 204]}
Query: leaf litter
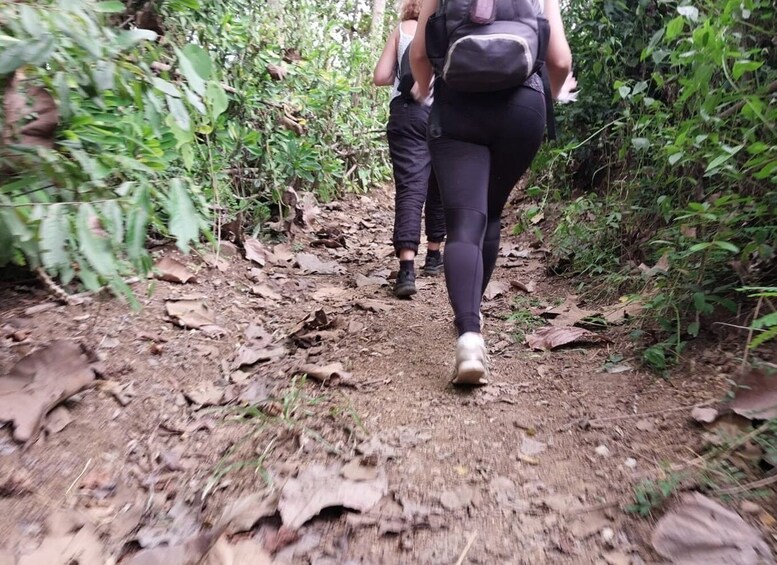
{"type": "Point", "coordinates": [171, 270]}
{"type": "Point", "coordinates": [317, 487]}
{"type": "Point", "coordinates": [699, 530]}
{"type": "Point", "coordinates": [552, 337]}
{"type": "Point", "coordinates": [41, 381]}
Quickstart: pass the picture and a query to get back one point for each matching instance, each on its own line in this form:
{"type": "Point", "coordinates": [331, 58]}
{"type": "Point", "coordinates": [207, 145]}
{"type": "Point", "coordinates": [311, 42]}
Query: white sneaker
{"type": "Point", "coordinates": [471, 360]}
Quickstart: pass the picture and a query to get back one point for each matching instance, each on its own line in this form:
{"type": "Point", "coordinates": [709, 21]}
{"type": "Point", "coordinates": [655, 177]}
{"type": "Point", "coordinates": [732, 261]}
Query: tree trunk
{"type": "Point", "coordinates": [378, 12]}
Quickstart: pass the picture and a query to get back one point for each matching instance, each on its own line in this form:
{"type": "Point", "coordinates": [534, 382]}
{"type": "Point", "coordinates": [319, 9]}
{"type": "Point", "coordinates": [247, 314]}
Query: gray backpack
{"type": "Point", "coordinates": [487, 45]}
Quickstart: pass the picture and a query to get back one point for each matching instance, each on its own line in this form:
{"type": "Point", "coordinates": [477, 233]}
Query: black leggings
{"type": "Point", "coordinates": [484, 144]}
{"type": "Point", "coordinates": [413, 177]}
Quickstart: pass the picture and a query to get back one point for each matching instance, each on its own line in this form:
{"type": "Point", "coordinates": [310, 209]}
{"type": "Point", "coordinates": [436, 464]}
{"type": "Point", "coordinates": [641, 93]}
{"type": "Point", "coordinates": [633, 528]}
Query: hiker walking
{"type": "Point", "coordinates": [494, 62]}
{"type": "Point", "coordinates": [413, 177]}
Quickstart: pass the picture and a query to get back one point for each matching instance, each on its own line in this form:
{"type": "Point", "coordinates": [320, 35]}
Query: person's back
{"type": "Point", "coordinates": [481, 143]}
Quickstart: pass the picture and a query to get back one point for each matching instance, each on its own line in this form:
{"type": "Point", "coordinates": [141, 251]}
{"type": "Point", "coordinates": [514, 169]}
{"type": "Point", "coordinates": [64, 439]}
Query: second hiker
{"type": "Point", "coordinates": [413, 177]}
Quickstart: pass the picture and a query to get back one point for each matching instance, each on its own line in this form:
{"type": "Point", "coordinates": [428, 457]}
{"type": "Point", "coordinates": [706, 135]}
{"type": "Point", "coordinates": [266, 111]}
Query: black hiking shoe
{"type": "Point", "coordinates": [433, 265]}
{"type": "Point", "coordinates": [405, 285]}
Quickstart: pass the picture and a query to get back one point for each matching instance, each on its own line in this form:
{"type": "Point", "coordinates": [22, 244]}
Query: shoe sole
{"type": "Point", "coordinates": [470, 373]}
{"type": "Point", "coordinates": [405, 291]}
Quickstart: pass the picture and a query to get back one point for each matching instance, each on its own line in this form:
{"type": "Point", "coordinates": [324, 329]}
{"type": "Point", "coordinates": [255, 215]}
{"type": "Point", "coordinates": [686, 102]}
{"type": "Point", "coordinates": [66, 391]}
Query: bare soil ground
{"type": "Point", "coordinates": [534, 468]}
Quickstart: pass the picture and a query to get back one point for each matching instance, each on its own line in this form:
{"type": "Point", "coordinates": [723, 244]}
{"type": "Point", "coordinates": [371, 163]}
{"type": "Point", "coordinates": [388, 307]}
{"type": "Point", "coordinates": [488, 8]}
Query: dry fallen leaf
{"type": "Point", "coordinates": [496, 288]}
{"type": "Point", "coordinates": [57, 420]}
{"type": "Point", "coordinates": [376, 306]}
{"type": "Point", "coordinates": [621, 312]}
{"type": "Point", "coordinates": [460, 497]}
{"type": "Point", "coordinates": [756, 395]}
{"type": "Point", "coordinates": [356, 470]}
{"type": "Point", "coordinates": [333, 374]}
{"type": "Point", "coordinates": [190, 313]}
{"type": "Point", "coordinates": [699, 530]}
{"type": "Point", "coordinates": [328, 292]}
{"type": "Point", "coordinates": [311, 264]}
{"type": "Point", "coordinates": [548, 338]}
{"type": "Point", "coordinates": [363, 280]}
{"type": "Point", "coordinates": [83, 547]}
{"type": "Point", "coordinates": [242, 514]}
{"type": "Point", "coordinates": [567, 313]}
{"type": "Point", "coordinates": [250, 355]}
{"type": "Point", "coordinates": [528, 287]}
{"type": "Point", "coordinates": [661, 267]}
{"type": "Point", "coordinates": [39, 382]}
{"type": "Point", "coordinates": [255, 251]}
{"type": "Point", "coordinates": [589, 524]}
{"type": "Point", "coordinates": [317, 487]}
{"type": "Point", "coordinates": [172, 270]}
{"type": "Point", "coordinates": [265, 291]}
{"type": "Point", "coordinates": [205, 394]}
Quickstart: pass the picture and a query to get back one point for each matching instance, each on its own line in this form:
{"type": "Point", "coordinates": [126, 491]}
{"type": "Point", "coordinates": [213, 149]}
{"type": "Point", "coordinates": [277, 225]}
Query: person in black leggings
{"type": "Point", "coordinates": [413, 177]}
{"type": "Point", "coordinates": [481, 144]}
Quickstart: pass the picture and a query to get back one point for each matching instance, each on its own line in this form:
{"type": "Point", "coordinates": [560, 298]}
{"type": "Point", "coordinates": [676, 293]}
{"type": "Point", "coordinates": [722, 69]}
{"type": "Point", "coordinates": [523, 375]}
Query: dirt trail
{"type": "Point", "coordinates": [530, 469]}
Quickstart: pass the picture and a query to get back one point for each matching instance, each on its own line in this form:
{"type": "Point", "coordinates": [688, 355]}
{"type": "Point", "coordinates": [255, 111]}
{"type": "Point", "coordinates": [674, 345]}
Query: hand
{"type": "Point", "coordinates": [419, 95]}
{"type": "Point", "coordinates": [568, 92]}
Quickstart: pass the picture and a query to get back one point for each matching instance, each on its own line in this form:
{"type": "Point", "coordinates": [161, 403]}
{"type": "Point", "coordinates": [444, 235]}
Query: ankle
{"type": "Point", "coordinates": [408, 265]}
{"type": "Point", "coordinates": [433, 253]}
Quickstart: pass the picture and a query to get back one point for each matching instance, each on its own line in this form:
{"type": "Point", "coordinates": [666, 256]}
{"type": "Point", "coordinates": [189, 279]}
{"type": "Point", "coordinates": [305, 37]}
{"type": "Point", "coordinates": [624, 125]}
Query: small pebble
{"type": "Point", "coordinates": [631, 463]}
{"type": "Point", "coordinates": [602, 451]}
{"type": "Point", "coordinates": [750, 507]}
{"type": "Point", "coordinates": [608, 536]}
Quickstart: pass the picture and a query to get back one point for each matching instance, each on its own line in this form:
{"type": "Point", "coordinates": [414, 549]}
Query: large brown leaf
{"type": "Point", "coordinates": [548, 338]}
{"type": "Point", "coordinates": [700, 531]}
{"type": "Point", "coordinates": [317, 487]}
{"type": "Point", "coordinates": [39, 382]}
{"type": "Point", "coordinates": [756, 395]}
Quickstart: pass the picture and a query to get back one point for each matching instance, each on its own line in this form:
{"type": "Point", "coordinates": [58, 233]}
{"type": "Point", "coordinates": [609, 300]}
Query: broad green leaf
{"type": "Point", "coordinates": [717, 162]}
{"type": "Point", "coordinates": [167, 87]}
{"type": "Point", "coordinates": [131, 37]}
{"type": "Point", "coordinates": [179, 113]}
{"type": "Point", "coordinates": [53, 234]}
{"type": "Point", "coordinates": [742, 67]}
{"type": "Point", "coordinates": [110, 7]}
{"type": "Point", "coordinates": [185, 222]}
{"type": "Point", "coordinates": [194, 64]}
{"type": "Point", "coordinates": [675, 27]}
{"type": "Point", "coordinates": [6, 244]}
{"type": "Point", "coordinates": [94, 247]}
{"type": "Point", "coordinates": [728, 246]}
{"type": "Point", "coordinates": [766, 321]}
{"type": "Point", "coordinates": [217, 99]}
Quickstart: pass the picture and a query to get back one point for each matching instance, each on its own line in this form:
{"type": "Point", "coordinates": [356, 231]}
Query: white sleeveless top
{"type": "Point", "coordinates": [404, 43]}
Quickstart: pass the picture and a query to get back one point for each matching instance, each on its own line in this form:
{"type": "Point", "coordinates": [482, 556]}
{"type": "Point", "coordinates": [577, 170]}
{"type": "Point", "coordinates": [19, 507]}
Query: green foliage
{"type": "Point", "coordinates": [650, 495]}
{"type": "Point", "coordinates": [765, 325]}
{"type": "Point", "coordinates": [671, 144]}
{"type": "Point", "coordinates": [159, 133]}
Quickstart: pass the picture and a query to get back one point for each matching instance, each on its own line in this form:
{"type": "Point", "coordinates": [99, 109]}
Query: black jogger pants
{"type": "Point", "coordinates": [413, 177]}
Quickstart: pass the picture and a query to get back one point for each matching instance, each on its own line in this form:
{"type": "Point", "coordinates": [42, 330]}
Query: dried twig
{"type": "Point", "coordinates": [464, 553]}
{"type": "Point", "coordinates": [631, 416]}
{"type": "Point", "coordinates": [748, 487]}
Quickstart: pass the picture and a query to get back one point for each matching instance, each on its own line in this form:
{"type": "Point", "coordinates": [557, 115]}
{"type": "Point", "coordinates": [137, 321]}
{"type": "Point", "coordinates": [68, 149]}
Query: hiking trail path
{"type": "Point", "coordinates": [533, 468]}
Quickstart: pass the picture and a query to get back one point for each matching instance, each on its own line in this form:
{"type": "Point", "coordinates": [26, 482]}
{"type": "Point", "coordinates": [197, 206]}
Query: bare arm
{"type": "Point", "coordinates": [559, 56]}
{"type": "Point", "coordinates": [385, 70]}
{"type": "Point", "coordinates": [419, 62]}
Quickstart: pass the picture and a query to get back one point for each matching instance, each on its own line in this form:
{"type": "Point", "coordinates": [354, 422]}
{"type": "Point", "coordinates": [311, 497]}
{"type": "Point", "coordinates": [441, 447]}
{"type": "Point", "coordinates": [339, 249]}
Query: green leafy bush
{"type": "Point", "coordinates": [170, 119]}
{"type": "Point", "coordinates": [670, 151]}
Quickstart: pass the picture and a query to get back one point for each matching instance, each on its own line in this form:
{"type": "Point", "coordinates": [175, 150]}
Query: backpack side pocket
{"type": "Point", "coordinates": [437, 41]}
